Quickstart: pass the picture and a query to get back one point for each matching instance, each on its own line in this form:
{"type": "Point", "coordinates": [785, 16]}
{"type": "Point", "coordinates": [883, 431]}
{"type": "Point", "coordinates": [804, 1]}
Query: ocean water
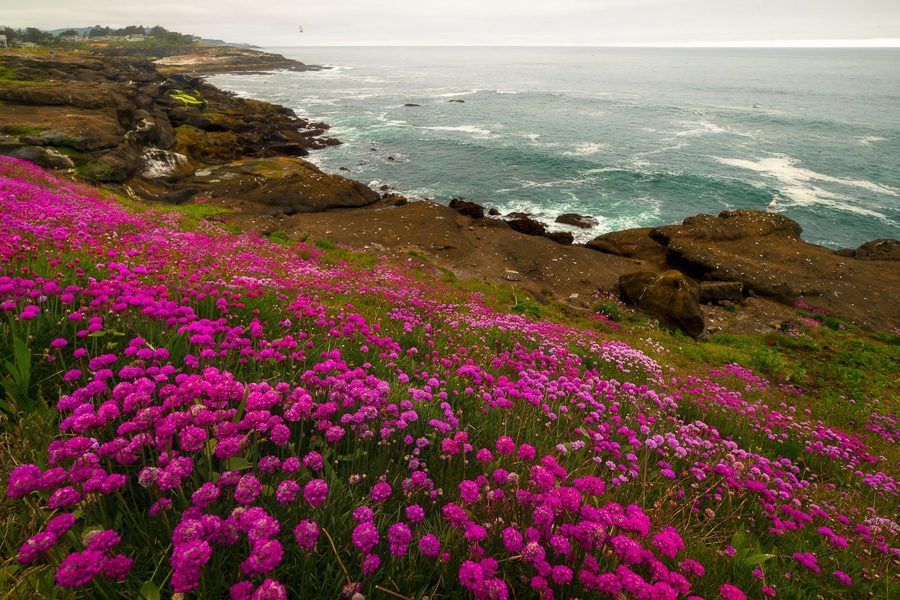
{"type": "Point", "coordinates": [632, 137]}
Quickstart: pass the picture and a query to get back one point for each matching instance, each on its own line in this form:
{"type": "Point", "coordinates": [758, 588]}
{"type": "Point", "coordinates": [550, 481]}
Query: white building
{"type": "Point", "coordinates": [3, 43]}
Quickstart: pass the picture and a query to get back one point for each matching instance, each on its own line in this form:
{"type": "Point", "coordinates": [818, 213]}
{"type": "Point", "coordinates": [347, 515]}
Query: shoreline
{"type": "Point", "coordinates": [187, 139]}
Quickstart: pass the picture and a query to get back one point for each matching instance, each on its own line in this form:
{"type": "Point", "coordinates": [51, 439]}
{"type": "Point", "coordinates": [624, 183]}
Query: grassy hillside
{"type": "Point", "coordinates": [190, 410]}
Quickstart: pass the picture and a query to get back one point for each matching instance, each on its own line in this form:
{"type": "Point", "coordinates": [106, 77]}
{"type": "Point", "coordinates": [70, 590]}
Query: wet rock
{"type": "Point", "coordinates": [560, 237]}
{"type": "Point", "coordinates": [528, 226]}
{"type": "Point", "coordinates": [582, 221]}
{"type": "Point", "coordinates": [670, 296]}
{"type": "Point", "coordinates": [716, 292]}
{"type": "Point", "coordinates": [518, 215]}
{"type": "Point", "coordinates": [411, 104]}
{"type": "Point", "coordinates": [467, 208]}
{"type": "Point", "coordinates": [494, 212]}
{"type": "Point", "coordinates": [457, 101]}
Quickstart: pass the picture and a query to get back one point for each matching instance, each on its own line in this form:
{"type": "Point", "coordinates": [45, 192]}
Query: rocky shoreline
{"type": "Point", "coordinates": [160, 133]}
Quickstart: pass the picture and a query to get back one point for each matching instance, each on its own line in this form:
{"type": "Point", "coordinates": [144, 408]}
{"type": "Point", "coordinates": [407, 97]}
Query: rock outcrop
{"type": "Point", "coordinates": [669, 296]}
{"type": "Point", "coordinates": [581, 221]}
{"type": "Point", "coordinates": [764, 253]}
{"type": "Point", "coordinates": [119, 120]}
{"type": "Point", "coordinates": [467, 208]}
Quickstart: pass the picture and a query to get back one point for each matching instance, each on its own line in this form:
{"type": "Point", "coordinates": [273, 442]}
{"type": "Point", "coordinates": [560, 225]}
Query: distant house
{"type": "Point", "coordinates": [29, 45]}
{"type": "Point", "coordinates": [70, 38]}
{"type": "Point", "coordinates": [136, 37]}
{"type": "Point", "coordinates": [3, 43]}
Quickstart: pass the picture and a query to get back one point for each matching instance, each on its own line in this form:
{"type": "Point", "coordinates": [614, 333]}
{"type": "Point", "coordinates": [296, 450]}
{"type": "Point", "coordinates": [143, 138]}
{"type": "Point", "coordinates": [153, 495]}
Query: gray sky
{"type": "Point", "coordinates": [502, 22]}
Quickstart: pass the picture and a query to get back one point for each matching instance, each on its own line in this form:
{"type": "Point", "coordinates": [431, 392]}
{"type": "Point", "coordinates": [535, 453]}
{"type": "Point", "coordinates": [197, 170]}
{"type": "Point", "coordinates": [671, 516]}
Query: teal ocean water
{"type": "Point", "coordinates": [633, 137]}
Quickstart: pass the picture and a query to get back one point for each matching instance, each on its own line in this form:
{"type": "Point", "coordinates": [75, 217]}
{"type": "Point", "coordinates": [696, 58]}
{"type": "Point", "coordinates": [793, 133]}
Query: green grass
{"type": "Point", "coordinates": [23, 130]}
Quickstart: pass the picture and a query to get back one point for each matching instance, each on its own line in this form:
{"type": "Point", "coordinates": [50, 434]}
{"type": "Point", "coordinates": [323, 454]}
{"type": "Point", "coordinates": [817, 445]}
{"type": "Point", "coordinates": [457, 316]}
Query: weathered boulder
{"type": "Point", "coordinates": [467, 208]}
{"type": "Point", "coordinates": [43, 156]}
{"type": "Point", "coordinates": [886, 249]}
{"type": "Point", "coordinates": [290, 185]}
{"type": "Point", "coordinates": [670, 296]}
{"type": "Point", "coordinates": [714, 292]}
{"type": "Point", "coordinates": [528, 226]}
{"type": "Point", "coordinates": [581, 221]}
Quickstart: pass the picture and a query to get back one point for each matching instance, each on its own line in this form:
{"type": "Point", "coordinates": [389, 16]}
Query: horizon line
{"type": "Point", "coordinates": [861, 43]}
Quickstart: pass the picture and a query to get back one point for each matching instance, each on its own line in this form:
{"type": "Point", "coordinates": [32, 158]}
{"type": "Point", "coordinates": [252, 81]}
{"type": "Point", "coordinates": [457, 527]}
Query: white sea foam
{"type": "Point", "coordinates": [455, 94]}
{"type": "Point", "coordinates": [473, 130]}
{"type": "Point", "coordinates": [532, 137]}
{"type": "Point", "coordinates": [871, 139]}
{"type": "Point", "coordinates": [586, 149]}
{"type": "Point", "coordinates": [800, 185]}
{"type": "Point", "coordinates": [705, 127]}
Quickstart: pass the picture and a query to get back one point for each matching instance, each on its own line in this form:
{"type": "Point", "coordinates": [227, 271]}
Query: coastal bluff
{"type": "Point", "coordinates": [166, 135]}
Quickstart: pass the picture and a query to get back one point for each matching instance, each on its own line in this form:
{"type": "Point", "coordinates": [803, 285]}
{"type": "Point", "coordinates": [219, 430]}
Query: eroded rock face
{"type": "Point", "coordinates": [110, 111]}
{"type": "Point", "coordinates": [669, 296]}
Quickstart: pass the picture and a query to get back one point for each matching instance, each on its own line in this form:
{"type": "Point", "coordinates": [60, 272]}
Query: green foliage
{"type": "Point", "coordinates": [94, 171]}
{"type": "Point", "coordinates": [21, 130]}
{"type": "Point", "coordinates": [322, 244]}
{"type": "Point", "coordinates": [529, 307]}
{"type": "Point", "coordinates": [609, 309]}
{"type": "Point", "coordinates": [16, 381]}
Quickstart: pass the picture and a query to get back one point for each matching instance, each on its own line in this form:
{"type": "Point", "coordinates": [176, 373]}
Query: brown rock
{"type": "Point", "coordinates": [467, 208]}
{"type": "Point", "coordinates": [582, 221]}
{"type": "Point", "coordinates": [728, 226]}
{"type": "Point", "coordinates": [886, 249]}
{"type": "Point", "coordinates": [560, 237]}
{"type": "Point", "coordinates": [669, 296]}
{"type": "Point", "coordinates": [714, 292]}
{"type": "Point", "coordinates": [632, 243]}
{"type": "Point", "coordinates": [528, 226]}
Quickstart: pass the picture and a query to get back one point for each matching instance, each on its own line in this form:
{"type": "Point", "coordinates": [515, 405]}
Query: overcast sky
{"type": "Point", "coordinates": [501, 22]}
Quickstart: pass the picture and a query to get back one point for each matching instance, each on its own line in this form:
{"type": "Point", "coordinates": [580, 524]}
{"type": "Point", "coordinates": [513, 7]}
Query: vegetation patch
{"type": "Point", "coordinates": [23, 130]}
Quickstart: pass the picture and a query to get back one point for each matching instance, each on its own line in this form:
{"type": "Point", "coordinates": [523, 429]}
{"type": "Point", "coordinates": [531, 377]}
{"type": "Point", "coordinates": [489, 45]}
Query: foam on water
{"type": "Point", "coordinates": [797, 183]}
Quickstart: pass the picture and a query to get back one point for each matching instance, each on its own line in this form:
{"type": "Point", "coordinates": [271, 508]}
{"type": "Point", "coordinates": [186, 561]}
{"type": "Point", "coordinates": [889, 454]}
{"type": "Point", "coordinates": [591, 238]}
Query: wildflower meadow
{"type": "Point", "coordinates": [190, 412]}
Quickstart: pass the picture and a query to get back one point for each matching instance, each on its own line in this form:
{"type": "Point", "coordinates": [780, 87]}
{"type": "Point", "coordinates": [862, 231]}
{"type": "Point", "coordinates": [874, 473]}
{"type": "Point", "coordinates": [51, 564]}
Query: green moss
{"type": "Point", "coordinates": [20, 130]}
{"type": "Point", "coordinates": [199, 210]}
{"type": "Point", "coordinates": [10, 76]}
{"type": "Point", "coordinates": [94, 171]}
{"type": "Point", "coordinates": [324, 244]}
{"type": "Point", "coordinates": [204, 146]}
{"type": "Point", "coordinates": [187, 98]}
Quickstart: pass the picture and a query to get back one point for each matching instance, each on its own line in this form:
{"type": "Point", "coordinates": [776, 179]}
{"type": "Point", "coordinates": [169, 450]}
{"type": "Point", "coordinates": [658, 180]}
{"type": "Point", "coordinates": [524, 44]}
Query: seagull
{"type": "Point", "coordinates": [773, 204]}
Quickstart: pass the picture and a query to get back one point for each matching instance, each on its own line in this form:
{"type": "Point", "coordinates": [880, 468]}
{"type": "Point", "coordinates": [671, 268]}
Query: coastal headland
{"type": "Point", "coordinates": [158, 133]}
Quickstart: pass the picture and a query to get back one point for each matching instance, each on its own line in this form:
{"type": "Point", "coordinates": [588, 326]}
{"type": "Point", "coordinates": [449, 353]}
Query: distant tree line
{"type": "Point", "coordinates": [45, 38]}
